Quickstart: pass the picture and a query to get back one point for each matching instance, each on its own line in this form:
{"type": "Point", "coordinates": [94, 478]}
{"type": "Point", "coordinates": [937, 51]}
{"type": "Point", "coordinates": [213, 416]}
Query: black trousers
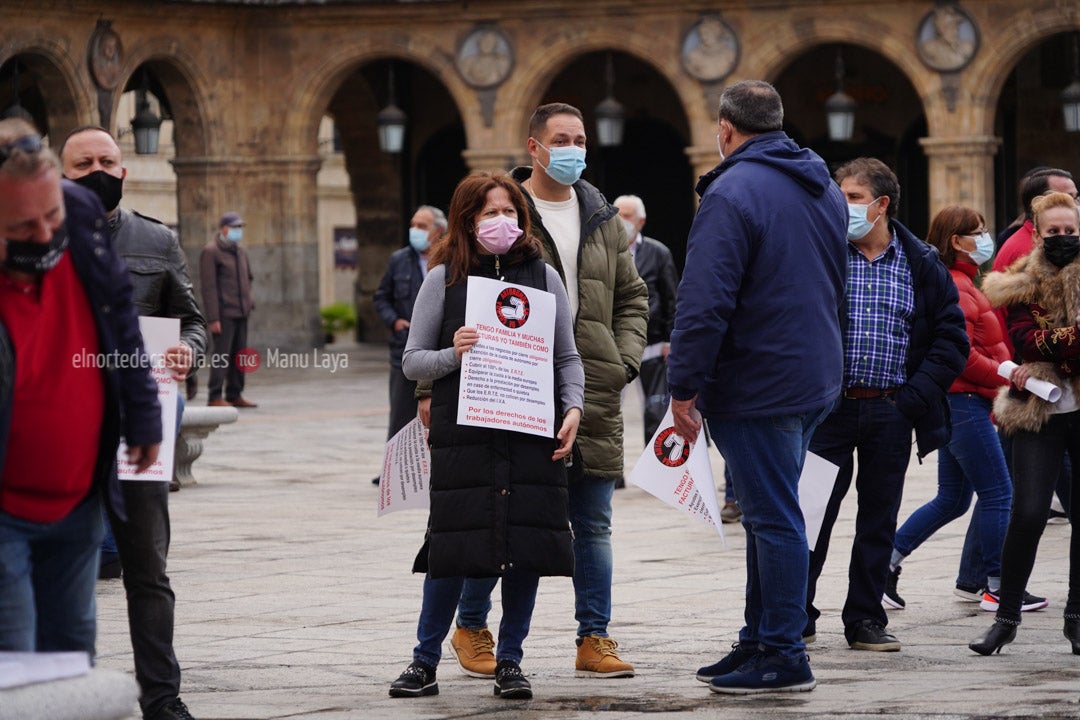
{"type": "Point", "coordinates": [223, 369]}
{"type": "Point", "coordinates": [1036, 461]}
{"type": "Point", "coordinates": [143, 543]}
{"type": "Point", "coordinates": [402, 401]}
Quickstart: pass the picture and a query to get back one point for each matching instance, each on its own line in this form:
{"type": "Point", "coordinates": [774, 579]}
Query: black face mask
{"type": "Point", "coordinates": [108, 188]}
{"type": "Point", "coordinates": [1061, 250]}
{"type": "Point", "coordinates": [34, 258]}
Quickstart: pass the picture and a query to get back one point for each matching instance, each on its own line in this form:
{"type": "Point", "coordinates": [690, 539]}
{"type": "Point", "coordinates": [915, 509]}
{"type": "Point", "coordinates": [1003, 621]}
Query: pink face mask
{"type": "Point", "coordinates": [498, 234]}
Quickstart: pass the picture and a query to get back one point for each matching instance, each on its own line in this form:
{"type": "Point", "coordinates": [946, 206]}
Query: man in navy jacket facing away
{"type": "Point", "coordinates": [757, 350]}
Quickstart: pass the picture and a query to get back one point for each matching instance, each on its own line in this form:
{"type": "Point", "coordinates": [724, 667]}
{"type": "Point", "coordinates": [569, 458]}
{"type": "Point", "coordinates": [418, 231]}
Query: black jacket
{"type": "Point", "coordinates": [657, 268]}
{"type": "Point", "coordinates": [937, 348]}
{"type": "Point", "coordinates": [161, 286]}
{"type": "Point", "coordinates": [396, 294]}
{"type": "Point", "coordinates": [498, 501]}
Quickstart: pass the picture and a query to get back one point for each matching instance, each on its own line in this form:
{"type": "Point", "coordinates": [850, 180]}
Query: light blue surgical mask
{"type": "Point", "coordinates": [236, 234]}
{"type": "Point", "coordinates": [566, 163]}
{"type": "Point", "coordinates": [984, 248]}
{"type": "Point", "coordinates": [858, 226]}
{"type": "Point", "coordinates": [418, 238]}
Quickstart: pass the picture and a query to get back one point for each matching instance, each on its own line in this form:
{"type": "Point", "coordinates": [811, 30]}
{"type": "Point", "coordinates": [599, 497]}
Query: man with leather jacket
{"type": "Point", "coordinates": [162, 288]}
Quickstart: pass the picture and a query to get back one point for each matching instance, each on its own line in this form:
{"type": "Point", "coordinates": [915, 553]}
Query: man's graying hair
{"type": "Point", "coordinates": [439, 215]}
{"type": "Point", "coordinates": [753, 107]}
{"type": "Point", "coordinates": [21, 164]}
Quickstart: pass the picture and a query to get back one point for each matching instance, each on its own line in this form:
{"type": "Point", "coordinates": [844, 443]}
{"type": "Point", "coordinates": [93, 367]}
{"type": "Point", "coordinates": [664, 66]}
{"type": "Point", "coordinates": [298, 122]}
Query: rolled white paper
{"type": "Point", "coordinates": [1047, 391]}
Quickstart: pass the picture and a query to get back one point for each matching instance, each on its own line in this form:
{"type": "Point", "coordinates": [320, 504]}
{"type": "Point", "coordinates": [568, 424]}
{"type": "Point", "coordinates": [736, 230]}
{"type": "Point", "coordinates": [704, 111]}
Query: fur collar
{"type": "Point", "coordinates": [1033, 280]}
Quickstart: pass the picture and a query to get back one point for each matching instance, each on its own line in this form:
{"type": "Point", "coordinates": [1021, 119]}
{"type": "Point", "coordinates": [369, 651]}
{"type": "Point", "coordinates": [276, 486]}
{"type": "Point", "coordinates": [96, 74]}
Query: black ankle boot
{"type": "Point", "coordinates": [1072, 631]}
{"type": "Point", "coordinates": [998, 635]}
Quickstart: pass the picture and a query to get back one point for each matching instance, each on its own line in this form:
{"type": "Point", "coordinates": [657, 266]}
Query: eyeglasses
{"type": "Point", "coordinates": [28, 144]}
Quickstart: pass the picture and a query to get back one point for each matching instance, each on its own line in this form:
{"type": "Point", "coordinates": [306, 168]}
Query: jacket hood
{"type": "Point", "coordinates": [776, 150]}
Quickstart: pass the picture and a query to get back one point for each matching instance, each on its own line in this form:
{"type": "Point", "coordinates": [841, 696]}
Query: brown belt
{"type": "Point", "coordinates": [867, 393]}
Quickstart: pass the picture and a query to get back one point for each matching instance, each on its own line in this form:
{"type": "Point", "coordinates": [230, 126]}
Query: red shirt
{"type": "Point", "coordinates": [1017, 246]}
{"type": "Point", "coordinates": [58, 401]}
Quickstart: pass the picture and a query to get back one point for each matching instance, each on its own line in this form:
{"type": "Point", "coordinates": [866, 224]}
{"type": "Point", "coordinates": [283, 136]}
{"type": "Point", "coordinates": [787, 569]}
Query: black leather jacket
{"type": "Point", "coordinates": [159, 274]}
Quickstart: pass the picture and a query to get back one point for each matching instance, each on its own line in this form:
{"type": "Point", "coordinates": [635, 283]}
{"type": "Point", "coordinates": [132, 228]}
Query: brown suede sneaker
{"type": "Point", "coordinates": [596, 658]}
{"type": "Point", "coordinates": [475, 652]}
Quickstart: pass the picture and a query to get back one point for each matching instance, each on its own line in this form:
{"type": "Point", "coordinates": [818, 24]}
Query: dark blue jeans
{"type": "Point", "coordinates": [765, 457]}
{"type": "Point", "coordinates": [972, 462]}
{"type": "Point", "coordinates": [441, 599]}
{"type": "Point", "coordinates": [590, 520]}
{"type": "Point", "coordinates": [1037, 458]}
{"type": "Point", "coordinates": [879, 435]}
{"type": "Point", "coordinates": [47, 577]}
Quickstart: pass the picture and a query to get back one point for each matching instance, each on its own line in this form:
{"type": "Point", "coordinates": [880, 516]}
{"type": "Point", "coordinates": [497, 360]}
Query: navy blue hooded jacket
{"type": "Point", "coordinates": [758, 321]}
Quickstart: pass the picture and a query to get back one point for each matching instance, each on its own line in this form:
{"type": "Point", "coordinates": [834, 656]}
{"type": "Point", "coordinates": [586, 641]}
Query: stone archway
{"type": "Point", "coordinates": [651, 162]}
{"type": "Point", "coordinates": [44, 89]}
{"type": "Point", "coordinates": [889, 113]}
{"type": "Point", "coordinates": [1029, 120]}
{"type": "Point", "coordinates": [386, 187]}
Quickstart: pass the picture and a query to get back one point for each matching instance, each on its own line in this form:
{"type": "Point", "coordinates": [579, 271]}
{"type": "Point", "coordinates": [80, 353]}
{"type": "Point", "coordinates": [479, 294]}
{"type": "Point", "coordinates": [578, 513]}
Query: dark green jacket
{"type": "Point", "coordinates": [613, 314]}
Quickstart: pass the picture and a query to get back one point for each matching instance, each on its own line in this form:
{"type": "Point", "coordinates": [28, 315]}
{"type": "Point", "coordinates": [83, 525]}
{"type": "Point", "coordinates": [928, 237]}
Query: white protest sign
{"type": "Point", "coordinates": [815, 488]}
{"type": "Point", "coordinates": [406, 471]}
{"type": "Point", "coordinates": [158, 334]}
{"type": "Point", "coordinates": [1047, 391]}
{"type": "Point", "coordinates": [679, 473]}
{"type": "Point", "coordinates": [508, 378]}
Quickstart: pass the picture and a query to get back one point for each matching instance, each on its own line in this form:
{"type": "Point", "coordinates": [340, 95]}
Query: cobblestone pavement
{"type": "Point", "coordinates": [295, 601]}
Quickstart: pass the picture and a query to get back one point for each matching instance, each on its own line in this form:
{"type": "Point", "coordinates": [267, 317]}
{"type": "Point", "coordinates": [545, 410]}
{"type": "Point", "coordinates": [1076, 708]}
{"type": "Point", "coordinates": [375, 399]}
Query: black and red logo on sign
{"type": "Point", "coordinates": [670, 448]}
{"type": "Point", "coordinates": [512, 307]}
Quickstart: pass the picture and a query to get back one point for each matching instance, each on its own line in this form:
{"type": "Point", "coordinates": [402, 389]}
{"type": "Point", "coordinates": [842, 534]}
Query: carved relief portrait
{"type": "Point", "coordinates": [947, 39]}
{"type": "Point", "coordinates": [485, 57]}
{"type": "Point", "coordinates": [106, 56]}
{"type": "Point", "coordinates": [710, 50]}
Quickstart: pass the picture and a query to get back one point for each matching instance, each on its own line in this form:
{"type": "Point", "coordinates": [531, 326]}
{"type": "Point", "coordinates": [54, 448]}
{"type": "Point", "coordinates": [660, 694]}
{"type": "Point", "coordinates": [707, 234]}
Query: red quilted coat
{"type": "Point", "coordinates": [988, 348]}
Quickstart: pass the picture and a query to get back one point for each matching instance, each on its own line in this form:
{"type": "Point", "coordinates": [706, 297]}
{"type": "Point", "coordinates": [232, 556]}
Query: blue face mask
{"type": "Point", "coordinates": [418, 238]}
{"type": "Point", "coordinates": [566, 163]}
{"type": "Point", "coordinates": [236, 234]}
{"type": "Point", "coordinates": [858, 226]}
{"type": "Point", "coordinates": [984, 248]}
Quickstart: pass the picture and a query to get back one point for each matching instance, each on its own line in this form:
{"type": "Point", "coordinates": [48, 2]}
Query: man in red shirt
{"type": "Point", "coordinates": [1019, 244]}
{"type": "Point", "coordinates": [73, 378]}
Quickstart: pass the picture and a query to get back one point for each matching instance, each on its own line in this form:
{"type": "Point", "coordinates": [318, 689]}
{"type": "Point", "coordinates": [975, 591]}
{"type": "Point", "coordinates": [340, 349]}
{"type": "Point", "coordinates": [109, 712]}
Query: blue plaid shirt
{"type": "Point", "coordinates": [881, 303]}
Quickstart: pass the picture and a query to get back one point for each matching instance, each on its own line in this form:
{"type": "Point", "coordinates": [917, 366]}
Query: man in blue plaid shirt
{"type": "Point", "coordinates": [904, 344]}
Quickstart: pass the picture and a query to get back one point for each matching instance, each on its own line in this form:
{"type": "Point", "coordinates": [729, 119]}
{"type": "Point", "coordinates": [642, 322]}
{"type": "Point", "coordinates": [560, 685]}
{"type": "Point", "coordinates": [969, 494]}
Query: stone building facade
{"type": "Point", "coordinates": [959, 97]}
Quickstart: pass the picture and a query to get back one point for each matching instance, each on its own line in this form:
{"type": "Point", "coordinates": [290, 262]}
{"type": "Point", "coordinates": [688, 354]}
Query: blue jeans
{"type": "Point", "coordinates": [971, 462]}
{"type": "Point", "coordinates": [765, 457]}
{"type": "Point", "coordinates": [881, 435]}
{"type": "Point", "coordinates": [590, 519]}
{"type": "Point", "coordinates": [441, 599]}
{"type": "Point", "coordinates": [47, 577]}
{"type": "Point", "coordinates": [729, 487]}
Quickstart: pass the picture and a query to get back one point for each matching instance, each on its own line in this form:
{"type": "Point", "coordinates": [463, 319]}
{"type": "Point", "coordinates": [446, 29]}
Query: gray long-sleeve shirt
{"type": "Point", "coordinates": [423, 360]}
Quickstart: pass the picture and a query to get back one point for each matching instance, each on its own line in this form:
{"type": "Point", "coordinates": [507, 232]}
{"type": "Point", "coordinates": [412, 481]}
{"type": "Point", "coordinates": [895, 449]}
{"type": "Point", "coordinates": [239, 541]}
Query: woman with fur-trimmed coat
{"type": "Point", "coordinates": [1041, 294]}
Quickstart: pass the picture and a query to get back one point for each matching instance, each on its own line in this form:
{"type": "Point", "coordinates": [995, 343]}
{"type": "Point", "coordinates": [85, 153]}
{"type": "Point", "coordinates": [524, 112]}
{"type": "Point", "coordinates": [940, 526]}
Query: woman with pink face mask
{"type": "Point", "coordinates": [499, 502]}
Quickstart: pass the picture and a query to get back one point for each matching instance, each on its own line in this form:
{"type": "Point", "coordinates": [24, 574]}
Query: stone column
{"type": "Point", "coordinates": [961, 172]}
{"type": "Point", "coordinates": [277, 196]}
